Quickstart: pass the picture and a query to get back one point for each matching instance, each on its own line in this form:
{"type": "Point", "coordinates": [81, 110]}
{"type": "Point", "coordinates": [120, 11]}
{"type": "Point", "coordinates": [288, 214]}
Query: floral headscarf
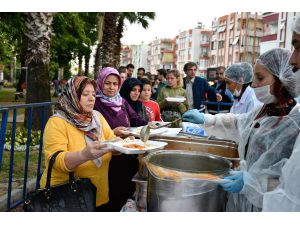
{"type": "Point", "coordinates": [114, 102]}
{"type": "Point", "coordinates": [69, 109]}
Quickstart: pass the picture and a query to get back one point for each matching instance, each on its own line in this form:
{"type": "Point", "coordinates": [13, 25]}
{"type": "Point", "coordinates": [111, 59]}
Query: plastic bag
{"type": "Point", "coordinates": [193, 128]}
{"type": "Point", "coordinates": [130, 206]}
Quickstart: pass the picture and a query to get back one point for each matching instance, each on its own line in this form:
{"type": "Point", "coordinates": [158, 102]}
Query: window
{"type": "Point", "coordinates": [213, 46]}
{"type": "Point", "coordinates": [221, 44]}
{"type": "Point", "coordinates": [221, 29]}
{"type": "Point", "coordinates": [213, 60]}
{"type": "Point", "coordinates": [270, 28]}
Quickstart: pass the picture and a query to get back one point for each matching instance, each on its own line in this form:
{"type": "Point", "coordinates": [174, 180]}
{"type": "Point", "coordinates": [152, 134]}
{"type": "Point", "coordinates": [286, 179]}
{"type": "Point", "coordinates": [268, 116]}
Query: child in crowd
{"type": "Point", "coordinates": [152, 107]}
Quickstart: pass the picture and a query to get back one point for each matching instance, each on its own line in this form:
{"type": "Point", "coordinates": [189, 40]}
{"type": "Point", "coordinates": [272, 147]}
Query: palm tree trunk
{"type": "Point", "coordinates": [87, 64]}
{"type": "Point", "coordinates": [80, 64]}
{"type": "Point", "coordinates": [37, 61]}
{"type": "Point", "coordinates": [119, 35]}
{"type": "Point", "coordinates": [108, 43]}
{"type": "Point", "coordinates": [100, 36]}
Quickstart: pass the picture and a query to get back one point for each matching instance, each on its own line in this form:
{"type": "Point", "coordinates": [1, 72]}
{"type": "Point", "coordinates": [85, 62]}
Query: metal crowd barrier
{"type": "Point", "coordinates": [5, 112]}
{"type": "Point", "coordinates": [218, 104]}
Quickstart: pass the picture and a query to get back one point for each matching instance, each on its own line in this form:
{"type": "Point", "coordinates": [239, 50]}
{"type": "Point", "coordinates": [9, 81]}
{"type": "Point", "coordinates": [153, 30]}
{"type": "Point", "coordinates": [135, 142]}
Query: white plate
{"type": "Point", "coordinates": [171, 132]}
{"type": "Point", "coordinates": [135, 131]}
{"type": "Point", "coordinates": [150, 146]}
{"type": "Point", "coordinates": [175, 99]}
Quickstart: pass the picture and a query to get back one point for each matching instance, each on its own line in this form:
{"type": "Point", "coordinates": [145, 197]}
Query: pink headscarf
{"type": "Point", "coordinates": [114, 102]}
{"type": "Point", "coordinates": [104, 73]}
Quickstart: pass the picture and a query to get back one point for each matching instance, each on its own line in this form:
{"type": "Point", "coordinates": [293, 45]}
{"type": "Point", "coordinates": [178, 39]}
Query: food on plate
{"type": "Point", "coordinates": [134, 146]}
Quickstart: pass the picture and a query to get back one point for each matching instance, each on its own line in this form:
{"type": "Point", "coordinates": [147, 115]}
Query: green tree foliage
{"type": "Point", "coordinates": [13, 42]}
{"type": "Point", "coordinates": [74, 35]}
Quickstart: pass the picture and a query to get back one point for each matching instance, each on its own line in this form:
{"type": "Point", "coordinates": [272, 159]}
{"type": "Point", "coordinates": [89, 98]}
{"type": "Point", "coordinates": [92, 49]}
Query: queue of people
{"type": "Point", "coordinates": [264, 120]}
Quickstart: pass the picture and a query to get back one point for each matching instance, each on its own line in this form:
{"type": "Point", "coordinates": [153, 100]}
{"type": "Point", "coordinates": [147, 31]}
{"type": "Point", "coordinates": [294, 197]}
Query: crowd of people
{"type": "Point", "coordinates": [264, 120]}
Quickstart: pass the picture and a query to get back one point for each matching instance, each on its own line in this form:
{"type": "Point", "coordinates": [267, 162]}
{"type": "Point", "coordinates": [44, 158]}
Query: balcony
{"type": "Point", "coordinates": [249, 48]}
{"type": "Point", "coordinates": [272, 37]}
{"type": "Point", "coordinates": [204, 44]}
{"type": "Point", "coordinates": [259, 33]}
{"type": "Point", "coordinates": [204, 55]}
{"type": "Point", "coordinates": [165, 50]}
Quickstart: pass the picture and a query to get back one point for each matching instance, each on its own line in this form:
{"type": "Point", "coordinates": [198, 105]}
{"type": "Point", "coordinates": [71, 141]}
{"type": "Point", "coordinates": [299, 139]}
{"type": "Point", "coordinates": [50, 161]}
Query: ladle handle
{"type": "Point", "coordinates": [168, 124]}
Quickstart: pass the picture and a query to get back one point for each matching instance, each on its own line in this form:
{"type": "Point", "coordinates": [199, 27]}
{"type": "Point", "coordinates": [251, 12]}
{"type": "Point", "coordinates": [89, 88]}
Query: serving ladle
{"type": "Point", "coordinates": [145, 131]}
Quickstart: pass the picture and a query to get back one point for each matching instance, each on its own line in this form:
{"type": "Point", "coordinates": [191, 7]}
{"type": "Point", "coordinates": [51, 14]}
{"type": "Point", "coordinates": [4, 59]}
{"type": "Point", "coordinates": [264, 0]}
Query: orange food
{"type": "Point", "coordinates": [134, 146]}
{"type": "Point", "coordinates": [177, 176]}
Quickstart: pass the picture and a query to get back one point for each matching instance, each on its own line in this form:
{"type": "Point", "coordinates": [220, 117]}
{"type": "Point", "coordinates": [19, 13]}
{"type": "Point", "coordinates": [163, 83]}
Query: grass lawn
{"type": "Point", "coordinates": [8, 95]}
{"type": "Point", "coordinates": [18, 168]}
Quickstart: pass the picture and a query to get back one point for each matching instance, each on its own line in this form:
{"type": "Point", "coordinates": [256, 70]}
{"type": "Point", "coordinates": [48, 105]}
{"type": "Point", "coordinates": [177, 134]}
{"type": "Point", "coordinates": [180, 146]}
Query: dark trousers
{"type": "Point", "coordinates": [122, 168]}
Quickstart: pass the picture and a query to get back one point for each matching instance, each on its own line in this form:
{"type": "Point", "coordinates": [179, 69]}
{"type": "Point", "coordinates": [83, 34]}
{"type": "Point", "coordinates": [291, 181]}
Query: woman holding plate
{"type": "Point", "coordinates": [172, 110]}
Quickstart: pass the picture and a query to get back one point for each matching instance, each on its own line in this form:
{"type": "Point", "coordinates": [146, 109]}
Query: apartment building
{"type": "Point", "coordinates": [277, 30]}
{"type": "Point", "coordinates": [126, 55]}
{"type": "Point", "coordinates": [161, 54]}
{"type": "Point", "coordinates": [136, 55]}
{"type": "Point", "coordinates": [193, 45]}
{"type": "Point", "coordinates": [236, 38]}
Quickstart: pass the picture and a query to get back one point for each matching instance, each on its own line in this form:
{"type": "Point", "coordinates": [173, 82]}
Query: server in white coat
{"type": "Point", "coordinates": [266, 135]}
{"type": "Point", "coordinates": [287, 196]}
{"type": "Point", "coordinates": [238, 78]}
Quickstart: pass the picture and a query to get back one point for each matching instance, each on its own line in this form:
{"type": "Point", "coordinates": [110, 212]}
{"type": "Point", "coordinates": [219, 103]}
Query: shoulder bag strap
{"type": "Point", "coordinates": [50, 166]}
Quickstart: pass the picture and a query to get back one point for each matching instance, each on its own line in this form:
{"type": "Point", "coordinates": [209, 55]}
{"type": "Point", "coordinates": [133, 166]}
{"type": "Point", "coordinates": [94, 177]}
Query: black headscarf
{"type": "Point", "coordinates": [125, 90]}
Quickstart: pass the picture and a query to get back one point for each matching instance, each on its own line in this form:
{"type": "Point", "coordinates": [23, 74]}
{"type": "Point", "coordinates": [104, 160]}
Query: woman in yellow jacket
{"type": "Point", "coordinates": [78, 131]}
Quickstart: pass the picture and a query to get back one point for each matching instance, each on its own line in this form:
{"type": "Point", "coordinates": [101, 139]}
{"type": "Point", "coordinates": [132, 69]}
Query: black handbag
{"type": "Point", "coordinates": [78, 195]}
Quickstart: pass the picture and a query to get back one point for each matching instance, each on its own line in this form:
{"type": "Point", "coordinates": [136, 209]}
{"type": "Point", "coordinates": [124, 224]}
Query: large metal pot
{"type": "Point", "coordinates": [186, 194]}
{"type": "Point", "coordinates": [223, 149]}
{"type": "Point", "coordinates": [140, 192]}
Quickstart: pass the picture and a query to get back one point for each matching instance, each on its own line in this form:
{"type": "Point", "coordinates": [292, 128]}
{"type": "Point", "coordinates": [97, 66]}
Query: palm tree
{"type": "Point", "coordinates": [37, 59]}
{"type": "Point", "coordinates": [139, 17]}
{"type": "Point", "coordinates": [100, 35]}
{"type": "Point", "coordinates": [110, 32]}
{"type": "Point", "coordinates": [108, 43]}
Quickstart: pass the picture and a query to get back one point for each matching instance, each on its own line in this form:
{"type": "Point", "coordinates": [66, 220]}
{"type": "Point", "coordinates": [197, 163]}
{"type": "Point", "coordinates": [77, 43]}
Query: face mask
{"type": "Point", "coordinates": [237, 93]}
{"type": "Point", "coordinates": [263, 94]}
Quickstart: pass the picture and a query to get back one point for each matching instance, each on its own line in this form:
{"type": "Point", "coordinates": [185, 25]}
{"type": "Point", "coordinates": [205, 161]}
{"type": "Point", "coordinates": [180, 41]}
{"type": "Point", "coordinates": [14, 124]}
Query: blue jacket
{"type": "Point", "coordinates": [200, 87]}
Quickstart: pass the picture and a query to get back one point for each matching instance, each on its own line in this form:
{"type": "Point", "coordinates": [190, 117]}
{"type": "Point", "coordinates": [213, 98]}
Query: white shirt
{"type": "Point", "coordinates": [189, 93]}
{"type": "Point", "coordinates": [247, 103]}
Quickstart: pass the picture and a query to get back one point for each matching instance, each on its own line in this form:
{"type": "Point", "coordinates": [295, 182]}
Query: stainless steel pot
{"type": "Point", "coordinates": [186, 194]}
{"type": "Point", "coordinates": [140, 192]}
{"type": "Point", "coordinates": [223, 149]}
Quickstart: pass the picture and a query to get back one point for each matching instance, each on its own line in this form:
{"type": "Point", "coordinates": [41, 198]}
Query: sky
{"type": "Point", "coordinates": [166, 25]}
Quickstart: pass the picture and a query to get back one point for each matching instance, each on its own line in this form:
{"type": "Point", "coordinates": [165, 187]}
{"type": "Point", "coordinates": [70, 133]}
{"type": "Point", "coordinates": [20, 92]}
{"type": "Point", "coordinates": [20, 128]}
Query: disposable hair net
{"type": "Point", "coordinates": [277, 62]}
{"type": "Point", "coordinates": [241, 73]}
{"type": "Point", "coordinates": [296, 24]}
